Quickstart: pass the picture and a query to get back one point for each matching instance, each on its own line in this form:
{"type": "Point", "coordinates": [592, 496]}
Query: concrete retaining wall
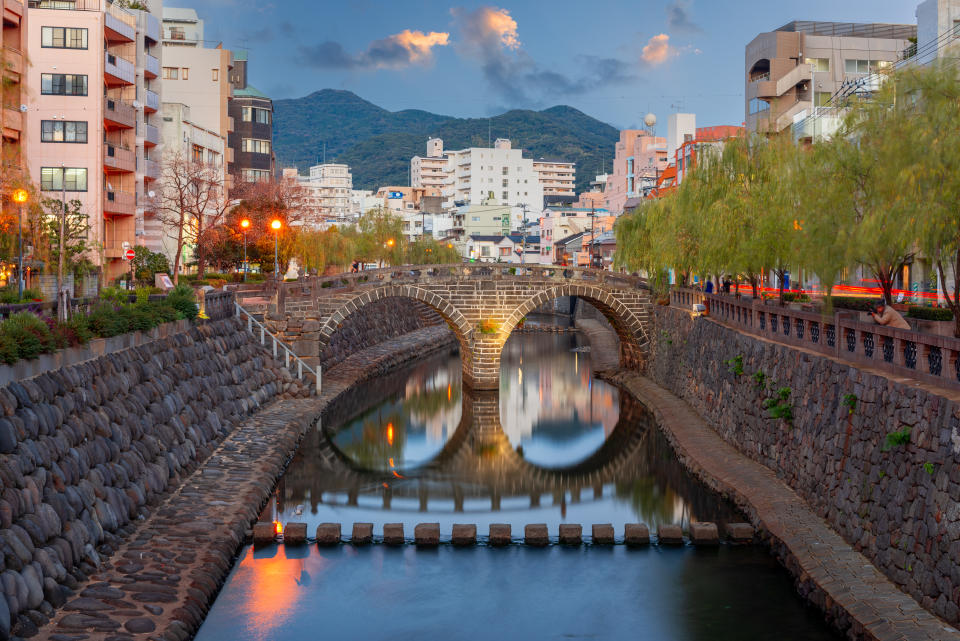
{"type": "Point", "coordinates": [897, 504]}
{"type": "Point", "coordinates": [86, 449]}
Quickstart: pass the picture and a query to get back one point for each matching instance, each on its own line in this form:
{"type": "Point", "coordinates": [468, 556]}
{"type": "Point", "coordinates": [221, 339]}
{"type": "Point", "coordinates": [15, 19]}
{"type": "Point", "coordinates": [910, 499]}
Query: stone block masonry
{"type": "Point", "coordinates": [877, 458]}
{"type": "Point", "coordinates": [87, 450]}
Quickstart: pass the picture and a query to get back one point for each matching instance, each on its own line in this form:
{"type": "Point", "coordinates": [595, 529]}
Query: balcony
{"type": "Point", "coordinates": [118, 160]}
{"type": "Point", "coordinates": [116, 30]}
{"type": "Point", "coordinates": [118, 71]}
{"type": "Point", "coordinates": [151, 136]}
{"type": "Point", "coordinates": [12, 63]}
{"type": "Point", "coordinates": [116, 248]}
{"type": "Point", "coordinates": [773, 89]}
{"type": "Point", "coordinates": [119, 203]}
{"type": "Point", "coordinates": [152, 102]}
{"type": "Point", "coordinates": [152, 31]}
{"type": "Point", "coordinates": [118, 114]}
{"type": "Point", "coordinates": [12, 123]}
{"type": "Point", "coordinates": [151, 67]}
{"type": "Point", "coordinates": [12, 11]}
{"type": "Point", "coordinates": [151, 170]}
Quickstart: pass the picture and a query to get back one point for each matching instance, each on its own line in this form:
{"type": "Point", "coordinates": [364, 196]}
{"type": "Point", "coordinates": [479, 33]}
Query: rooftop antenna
{"type": "Point", "coordinates": [324, 152]}
{"type": "Point", "coordinates": [677, 106]}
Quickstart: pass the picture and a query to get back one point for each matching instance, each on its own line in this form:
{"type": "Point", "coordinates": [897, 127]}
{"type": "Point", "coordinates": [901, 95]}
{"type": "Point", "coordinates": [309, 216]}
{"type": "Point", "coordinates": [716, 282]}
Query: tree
{"type": "Point", "coordinates": [426, 250]}
{"type": "Point", "coordinates": [381, 237]}
{"type": "Point", "coordinates": [147, 263]}
{"type": "Point", "coordinates": [261, 203]}
{"type": "Point", "coordinates": [319, 249]}
{"type": "Point", "coordinates": [74, 240]}
{"type": "Point", "coordinates": [192, 202]}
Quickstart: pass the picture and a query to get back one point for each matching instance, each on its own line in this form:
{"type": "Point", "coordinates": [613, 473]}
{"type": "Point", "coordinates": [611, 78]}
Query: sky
{"type": "Point", "coordinates": [615, 60]}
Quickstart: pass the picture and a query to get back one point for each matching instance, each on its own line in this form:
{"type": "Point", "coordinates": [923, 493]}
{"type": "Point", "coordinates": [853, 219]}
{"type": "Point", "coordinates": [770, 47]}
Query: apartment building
{"type": "Point", "coordinates": [252, 142]}
{"type": "Point", "coordinates": [706, 140]}
{"type": "Point", "coordinates": [416, 207]}
{"type": "Point", "coordinates": [558, 223]}
{"type": "Point", "coordinates": [328, 194]}
{"type": "Point", "coordinates": [639, 158]}
{"type": "Point", "coordinates": [803, 63]}
{"type": "Point", "coordinates": [92, 125]}
{"type": "Point", "coordinates": [12, 56]}
{"type": "Point", "coordinates": [430, 170]}
{"type": "Point", "coordinates": [557, 177]}
{"type": "Point", "coordinates": [474, 174]}
{"type": "Point", "coordinates": [938, 30]}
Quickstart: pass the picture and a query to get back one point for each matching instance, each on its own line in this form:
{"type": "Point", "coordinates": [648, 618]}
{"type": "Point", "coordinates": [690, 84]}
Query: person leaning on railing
{"type": "Point", "coordinates": [883, 314]}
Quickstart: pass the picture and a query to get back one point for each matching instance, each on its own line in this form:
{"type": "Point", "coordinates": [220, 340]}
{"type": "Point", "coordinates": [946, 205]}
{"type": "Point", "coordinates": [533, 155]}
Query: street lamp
{"type": "Point", "coordinates": [245, 224]}
{"type": "Point", "coordinates": [20, 196]}
{"type": "Point", "coordinates": [275, 225]}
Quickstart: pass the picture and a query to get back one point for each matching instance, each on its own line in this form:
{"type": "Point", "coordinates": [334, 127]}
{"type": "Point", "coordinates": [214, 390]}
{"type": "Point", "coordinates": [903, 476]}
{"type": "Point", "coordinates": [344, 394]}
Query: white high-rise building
{"type": "Point", "coordinates": [477, 173]}
{"type": "Point", "coordinates": [681, 128]}
{"type": "Point", "coordinates": [329, 198]}
{"type": "Point", "coordinates": [429, 171]}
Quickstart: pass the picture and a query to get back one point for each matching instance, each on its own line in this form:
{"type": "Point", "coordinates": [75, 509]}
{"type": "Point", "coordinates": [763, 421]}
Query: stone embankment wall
{"type": "Point", "coordinates": [86, 450]}
{"type": "Point", "coordinates": [898, 504]}
{"type": "Point", "coordinates": [374, 324]}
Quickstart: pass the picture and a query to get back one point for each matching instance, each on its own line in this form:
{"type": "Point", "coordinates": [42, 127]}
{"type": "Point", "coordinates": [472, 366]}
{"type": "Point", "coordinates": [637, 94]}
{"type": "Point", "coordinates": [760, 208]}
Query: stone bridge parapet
{"type": "Point", "coordinates": [481, 303]}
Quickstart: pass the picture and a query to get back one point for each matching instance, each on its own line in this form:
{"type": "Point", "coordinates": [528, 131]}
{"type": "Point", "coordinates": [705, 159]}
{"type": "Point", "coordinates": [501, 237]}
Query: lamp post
{"type": "Point", "coordinates": [275, 225]}
{"type": "Point", "coordinates": [20, 196]}
{"type": "Point", "coordinates": [245, 224]}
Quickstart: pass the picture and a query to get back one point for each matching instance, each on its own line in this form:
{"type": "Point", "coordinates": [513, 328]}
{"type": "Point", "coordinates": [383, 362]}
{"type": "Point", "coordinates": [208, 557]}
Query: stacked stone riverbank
{"type": "Point", "coordinates": [877, 458]}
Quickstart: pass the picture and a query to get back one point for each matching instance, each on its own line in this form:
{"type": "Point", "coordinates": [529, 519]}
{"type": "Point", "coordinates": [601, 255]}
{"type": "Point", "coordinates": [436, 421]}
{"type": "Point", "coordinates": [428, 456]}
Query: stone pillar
{"type": "Point", "coordinates": [482, 370]}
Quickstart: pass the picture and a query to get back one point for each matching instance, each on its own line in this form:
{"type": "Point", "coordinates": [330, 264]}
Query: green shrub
{"type": "Point", "coordinates": [115, 295]}
{"type": "Point", "coordinates": [32, 294]}
{"type": "Point", "coordinates": [30, 334]}
{"type": "Point", "coordinates": [795, 297]}
{"type": "Point", "coordinates": [105, 320]}
{"type": "Point", "coordinates": [896, 439]}
{"type": "Point", "coordinates": [735, 365]}
{"type": "Point", "coordinates": [854, 303]}
{"type": "Point", "coordinates": [8, 349]}
{"type": "Point", "coordinates": [9, 296]}
{"type": "Point", "coordinates": [930, 313]}
{"type": "Point", "coordinates": [76, 330]}
{"type": "Point", "coordinates": [182, 299]}
{"type": "Point", "coordinates": [780, 406]}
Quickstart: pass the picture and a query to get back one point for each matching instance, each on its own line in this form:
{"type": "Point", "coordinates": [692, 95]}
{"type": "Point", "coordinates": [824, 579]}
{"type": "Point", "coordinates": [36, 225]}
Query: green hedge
{"type": "Point", "coordinates": [26, 335]}
{"type": "Point", "coordinates": [930, 313]}
{"type": "Point", "coordinates": [854, 303]}
{"type": "Point", "coordinates": [795, 297]}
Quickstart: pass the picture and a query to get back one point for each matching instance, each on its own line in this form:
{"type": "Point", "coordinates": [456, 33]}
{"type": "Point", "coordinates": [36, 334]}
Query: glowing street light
{"type": "Point", "coordinates": [275, 225]}
{"type": "Point", "coordinates": [20, 196]}
{"type": "Point", "coordinates": [244, 225]}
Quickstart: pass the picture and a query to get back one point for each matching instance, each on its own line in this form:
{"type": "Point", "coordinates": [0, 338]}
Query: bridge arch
{"type": "Point", "coordinates": [454, 319]}
{"type": "Point", "coordinates": [631, 331]}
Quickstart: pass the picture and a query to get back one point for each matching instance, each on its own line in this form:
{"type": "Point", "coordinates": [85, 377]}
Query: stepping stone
{"type": "Point", "coordinates": [295, 534]}
{"type": "Point", "coordinates": [668, 534]}
{"type": "Point", "coordinates": [571, 533]}
{"type": "Point", "coordinates": [602, 534]}
{"type": "Point", "coordinates": [427, 534]}
{"type": "Point", "coordinates": [362, 533]}
{"type": "Point", "coordinates": [704, 534]}
{"type": "Point", "coordinates": [500, 534]}
{"type": "Point", "coordinates": [393, 533]}
{"type": "Point", "coordinates": [635, 534]}
{"type": "Point", "coordinates": [536, 534]}
{"type": "Point", "coordinates": [264, 534]}
{"type": "Point", "coordinates": [464, 534]}
{"type": "Point", "coordinates": [740, 532]}
{"type": "Point", "coordinates": [328, 534]}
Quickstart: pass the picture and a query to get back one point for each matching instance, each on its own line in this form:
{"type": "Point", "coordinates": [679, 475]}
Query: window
{"type": "Point", "coordinates": [821, 98]}
{"type": "Point", "coordinates": [256, 146]}
{"type": "Point", "coordinates": [63, 84]}
{"type": "Point", "coordinates": [485, 250]}
{"type": "Point", "coordinates": [63, 131]}
{"type": "Point", "coordinates": [185, 73]}
{"type": "Point", "coordinates": [216, 75]}
{"type": "Point", "coordinates": [60, 178]}
{"type": "Point", "coordinates": [476, 219]}
{"type": "Point", "coordinates": [505, 197]}
{"type": "Point", "coordinates": [506, 171]}
{"type": "Point", "coordinates": [504, 251]}
{"type": "Point", "coordinates": [196, 153]}
{"type": "Point", "coordinates": [255, 175]}
{"type": "Point", "coordinates": [171, 73]}
{"type": "Point", "coordinates": [63, 37]}
{"type": "Point", "coordinates": [866, 66]}
{"type": "Point", "coordinates": [819, 64]}
{"type": "Point", "coordinates": [177, 33]}
{"type": "Point", "coordinates": [757, 105]}
{"type": "Point", "coordinates": [255, 114]}
{"type": "Point", "coordinates": [505, 183]}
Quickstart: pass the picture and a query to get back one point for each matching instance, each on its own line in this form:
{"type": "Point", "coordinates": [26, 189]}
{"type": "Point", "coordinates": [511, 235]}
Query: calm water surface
{"type": "Point", "coordinates": [554, 445]}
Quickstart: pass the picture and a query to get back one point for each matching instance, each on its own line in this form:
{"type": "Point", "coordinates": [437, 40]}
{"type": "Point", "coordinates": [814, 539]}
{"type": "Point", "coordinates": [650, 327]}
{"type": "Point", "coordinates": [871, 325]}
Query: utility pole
{"type": "Point", "coordinates": [593, 215]}
{"type": "Point", "coordinates": [523, 253]}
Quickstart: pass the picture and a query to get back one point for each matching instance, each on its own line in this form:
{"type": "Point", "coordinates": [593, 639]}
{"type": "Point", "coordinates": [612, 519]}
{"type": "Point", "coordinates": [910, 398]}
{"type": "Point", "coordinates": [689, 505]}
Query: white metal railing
{"type": "Point", "coordinates": [277, 343]}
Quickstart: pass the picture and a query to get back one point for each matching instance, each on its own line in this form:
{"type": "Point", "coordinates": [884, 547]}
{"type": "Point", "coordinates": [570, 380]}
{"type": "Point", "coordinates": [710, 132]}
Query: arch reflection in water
{"type": "Point", "coordinates": [472, 470]}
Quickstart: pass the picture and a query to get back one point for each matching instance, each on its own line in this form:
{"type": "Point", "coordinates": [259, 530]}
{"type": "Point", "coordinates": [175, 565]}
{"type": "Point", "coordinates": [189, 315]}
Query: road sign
{"type": "Point", "coordinates": [129, 254]}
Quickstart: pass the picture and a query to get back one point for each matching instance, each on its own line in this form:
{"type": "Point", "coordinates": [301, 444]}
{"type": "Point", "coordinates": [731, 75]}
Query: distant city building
{"type": "Point", "coordinates": [12, 87]}
{"type": "Point", "coordinates": [469, 176]}
{"type": "Point", "coordinates": [328, 197]}
{"type": "Point", "coordinates": [485, 219]}
{"type": "Point", "coordinates": [557, 223]}
{"type": "Point", "coordinates": [416, 206]}
{"type": "Point", "coordinates": [361, 201]}
{"type": "Point", "coordinates": [91, 122]}
{"type": "Point", "coordinates": [802, 64]}
{"type": "Point", "coordinates": [195, 77]}
{"type": "Point", "coordinates": [689, 153]}
{"type": "Point", "coordinates": [938, 29]}
{"type": "Point", "coordinates": [596, 197]}
{"type": "Point", "coordinates": [681, 128]}
{"type": "Point", "coordinates": [252, 139]}
{"type": "Point", "coordinates": [639, 159]}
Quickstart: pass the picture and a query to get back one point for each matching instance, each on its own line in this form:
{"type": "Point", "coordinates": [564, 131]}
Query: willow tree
{"type": "Point", "coordinates": [318, 250]}
{"type": "Point", "coordinates": [932, 169]}
{"type": "Point", "coordinates": [871, 167]}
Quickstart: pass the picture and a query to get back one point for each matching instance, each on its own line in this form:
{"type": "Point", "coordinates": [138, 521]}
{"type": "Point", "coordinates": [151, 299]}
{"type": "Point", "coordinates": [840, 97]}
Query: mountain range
{"type": "Point", "coordinates": [378, 144]}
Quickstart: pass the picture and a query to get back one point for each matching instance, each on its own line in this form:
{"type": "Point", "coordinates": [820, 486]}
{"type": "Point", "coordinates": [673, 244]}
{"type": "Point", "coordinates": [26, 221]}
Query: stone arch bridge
{"type": "Point", "coordinates": [481, 303]}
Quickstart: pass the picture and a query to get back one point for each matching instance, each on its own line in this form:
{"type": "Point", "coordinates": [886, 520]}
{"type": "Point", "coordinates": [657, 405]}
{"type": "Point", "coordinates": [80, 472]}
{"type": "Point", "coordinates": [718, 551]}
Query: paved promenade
{"type": "Point", "coordinates": [828, 571]}
{"type": "Point", "coordinates": [161, 581]}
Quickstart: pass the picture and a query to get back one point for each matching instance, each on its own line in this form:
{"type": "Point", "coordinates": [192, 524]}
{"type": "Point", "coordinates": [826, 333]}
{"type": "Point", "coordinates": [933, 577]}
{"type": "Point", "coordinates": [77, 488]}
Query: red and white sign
{"type": "Point", "coordinates": [129, 254]}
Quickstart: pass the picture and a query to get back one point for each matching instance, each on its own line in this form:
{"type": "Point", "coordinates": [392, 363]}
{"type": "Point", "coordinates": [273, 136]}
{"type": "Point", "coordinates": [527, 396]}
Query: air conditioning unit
{"type": "Point", "coordinates": [136, 104]}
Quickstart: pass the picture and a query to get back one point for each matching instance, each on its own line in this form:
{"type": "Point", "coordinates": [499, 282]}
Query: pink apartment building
{"type": "Point", "coordinates": [92, 121]}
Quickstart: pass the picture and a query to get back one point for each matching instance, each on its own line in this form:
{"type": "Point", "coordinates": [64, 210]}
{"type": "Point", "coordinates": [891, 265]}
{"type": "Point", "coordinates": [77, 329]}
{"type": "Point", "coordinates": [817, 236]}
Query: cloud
{"type": "Point", "coordinates": [400, 50]}
{"type": "Point", "coordinates": [490, 35]}
{"type": "Point", "coordinates": [679, 19]}
{"type": "Point", "coordinates": [657, 50]}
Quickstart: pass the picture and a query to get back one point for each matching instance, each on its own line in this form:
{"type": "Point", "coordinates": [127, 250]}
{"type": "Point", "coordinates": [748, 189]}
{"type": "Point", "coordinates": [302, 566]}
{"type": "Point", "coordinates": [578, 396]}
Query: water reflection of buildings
{"type": "Point", "coordinates": [544, 381]}
{"type": "Point", "coordinates": [433, 399]}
